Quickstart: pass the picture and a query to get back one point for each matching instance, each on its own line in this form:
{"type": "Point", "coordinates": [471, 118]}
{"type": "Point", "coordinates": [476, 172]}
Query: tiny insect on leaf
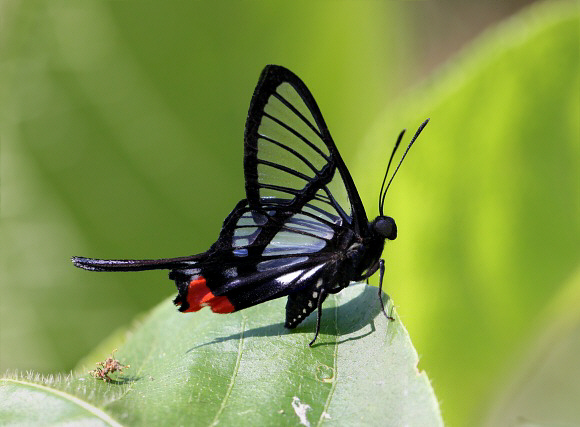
{"type": "Point", "coordinates": [109, 366]}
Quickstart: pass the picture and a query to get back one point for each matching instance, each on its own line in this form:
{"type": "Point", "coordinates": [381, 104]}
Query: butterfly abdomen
{"type": "Point", "coordinates": [300, 304]}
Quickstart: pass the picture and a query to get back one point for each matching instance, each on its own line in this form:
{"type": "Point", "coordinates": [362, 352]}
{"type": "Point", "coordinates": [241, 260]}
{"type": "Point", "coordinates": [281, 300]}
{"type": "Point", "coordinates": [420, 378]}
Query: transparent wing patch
{"type": "Point", "coordinates": [291, 154]}
{"type": "Point", "coordinates": [271, 237]}
{"type": "Point", "coordinates": [289, 242]}
{"type": "Point", "coordinates": [247, 229]}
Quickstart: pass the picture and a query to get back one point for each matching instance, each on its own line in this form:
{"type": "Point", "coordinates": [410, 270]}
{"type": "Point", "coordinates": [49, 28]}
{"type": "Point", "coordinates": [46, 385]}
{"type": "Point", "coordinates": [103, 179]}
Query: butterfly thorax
{"type": "Point", "coordinates": [364, 257]}
{"type": "Point", "coordinates": [365, 254]}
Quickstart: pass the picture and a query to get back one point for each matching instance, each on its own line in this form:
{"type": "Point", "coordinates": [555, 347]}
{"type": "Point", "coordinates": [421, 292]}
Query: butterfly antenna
{"type": "Point", "coordinates": [382, 201]}
{"type": "Point", "coordinates": [381, 198]}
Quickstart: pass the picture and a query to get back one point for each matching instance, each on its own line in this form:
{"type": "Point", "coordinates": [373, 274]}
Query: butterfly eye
{"type": "Point", "coordinates": [385, 227]}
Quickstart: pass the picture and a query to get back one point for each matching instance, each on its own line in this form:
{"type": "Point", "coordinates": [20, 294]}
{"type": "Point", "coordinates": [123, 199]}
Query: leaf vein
{"type": "Point", "coordinates": [99, 413]}
{"type": "Point", "coordinates": [234, 376]}
{"type": "Point", "coordinates": [335, 367]}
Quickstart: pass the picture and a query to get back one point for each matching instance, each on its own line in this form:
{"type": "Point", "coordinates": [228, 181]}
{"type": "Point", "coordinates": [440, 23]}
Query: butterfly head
{"type": "Point", "coordinates": [385, 227]}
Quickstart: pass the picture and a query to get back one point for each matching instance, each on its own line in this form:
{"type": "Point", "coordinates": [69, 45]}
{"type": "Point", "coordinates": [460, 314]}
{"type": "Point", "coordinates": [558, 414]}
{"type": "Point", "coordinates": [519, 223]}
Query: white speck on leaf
{"type": "Point", "coordinates": [301, 409]}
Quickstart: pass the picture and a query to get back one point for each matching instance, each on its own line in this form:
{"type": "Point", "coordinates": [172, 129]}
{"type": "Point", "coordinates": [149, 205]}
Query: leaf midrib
{"type": "Point", "coordinates": [234, 375]}
{"type": "Point", "coordinates": [99, 413]}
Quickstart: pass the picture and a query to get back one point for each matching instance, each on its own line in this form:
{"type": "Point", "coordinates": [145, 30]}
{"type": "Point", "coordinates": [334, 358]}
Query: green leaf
{"type": "Point", "coordinates": [25, 402]}
{"type": "Point", "coordinates": [247, 369]}
{"type": "Point", "coordinates": [487, 202]}
{"type": "Point", "coordinates": [544, 386]}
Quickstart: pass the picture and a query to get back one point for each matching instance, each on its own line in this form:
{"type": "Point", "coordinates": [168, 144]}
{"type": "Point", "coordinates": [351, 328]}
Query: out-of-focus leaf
{"type": "Point", "coordinates": [246, 369]}
{"type": "Point", "coordinates": [544, 387]}
{"type": "Point", "coordinates": [487, 201]}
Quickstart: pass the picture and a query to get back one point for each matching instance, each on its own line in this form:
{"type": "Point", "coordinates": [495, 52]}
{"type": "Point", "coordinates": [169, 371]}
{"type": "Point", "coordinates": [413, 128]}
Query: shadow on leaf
{"type": "Point", "coordinates": [344, 319]}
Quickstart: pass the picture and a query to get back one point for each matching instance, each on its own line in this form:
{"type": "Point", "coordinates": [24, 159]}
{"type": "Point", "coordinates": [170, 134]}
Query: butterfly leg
{"type": "Point", "coordinates": [321, 297]}
{"type": "Point", "coordinates": [381, 275]}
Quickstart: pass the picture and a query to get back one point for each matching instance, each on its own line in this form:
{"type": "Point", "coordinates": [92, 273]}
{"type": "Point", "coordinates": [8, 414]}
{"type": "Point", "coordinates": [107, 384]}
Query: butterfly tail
{"type": "Point", "coordinates": [93, 264]}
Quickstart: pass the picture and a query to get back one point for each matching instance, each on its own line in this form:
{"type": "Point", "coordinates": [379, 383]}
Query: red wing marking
{"type": "Point", "coordinates": [199, 296]}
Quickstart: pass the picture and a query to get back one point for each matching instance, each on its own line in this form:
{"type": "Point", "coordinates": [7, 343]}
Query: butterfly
{"type": "Point", "coordinates": [301, 231]}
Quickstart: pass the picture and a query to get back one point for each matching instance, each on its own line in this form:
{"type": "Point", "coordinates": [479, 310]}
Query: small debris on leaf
{"type": "Point", "coordinates": [301, 409]}
{"type": "Point", "coordinates": [107, 367]}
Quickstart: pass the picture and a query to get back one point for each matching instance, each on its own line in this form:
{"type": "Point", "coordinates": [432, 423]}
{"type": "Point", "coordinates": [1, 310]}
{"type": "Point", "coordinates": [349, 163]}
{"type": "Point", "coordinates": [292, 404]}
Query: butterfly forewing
{"type": "Point", "coordinates": [290, 242]}
{"type": "Point", "coordinates": [291, 161]}
{"type": "Point", "coordinates": [336, 192]}
{"type": "Point", "coordinates": [313, 226]}
{"type": "Point", "coordinates": [289, 157]}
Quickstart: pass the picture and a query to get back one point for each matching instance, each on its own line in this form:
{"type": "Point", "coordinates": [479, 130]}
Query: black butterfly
{"type": "Point", "coordinates": [302, 230]}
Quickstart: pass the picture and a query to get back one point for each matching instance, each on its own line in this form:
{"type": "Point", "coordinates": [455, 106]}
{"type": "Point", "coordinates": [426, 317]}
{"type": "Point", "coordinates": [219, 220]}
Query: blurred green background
{"type": "Point", "coordinates": [122, 127]}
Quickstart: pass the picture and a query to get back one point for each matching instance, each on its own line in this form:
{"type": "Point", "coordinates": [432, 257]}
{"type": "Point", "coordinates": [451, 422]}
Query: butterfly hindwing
{"type": "Point", "coordinates": [256, 259]}
{"type": "Point", "coordinates": [301, 304]}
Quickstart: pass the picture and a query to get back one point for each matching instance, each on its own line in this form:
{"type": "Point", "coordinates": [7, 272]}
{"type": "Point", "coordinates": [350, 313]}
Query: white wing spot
{"type": "Point", "coordinates": [304, 311]}
{"type": "Point", "coordinates": [310, 304]}
{"type": "Point", "coordinates": [240, 252]}
{"type": "Point", "coordinates": [231, 272]}
{"type": "Point", "coordinates": [319, 283]}
{"type": "Point", "coordinates": [312, 271]}
{"type": "Point", "coordinates": [314, 294]}
{"type": "Point", "coordinates": [287, 278]}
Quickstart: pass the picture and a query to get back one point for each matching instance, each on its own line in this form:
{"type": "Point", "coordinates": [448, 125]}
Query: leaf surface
{"type": "Point", "coordinates": [247, 369]}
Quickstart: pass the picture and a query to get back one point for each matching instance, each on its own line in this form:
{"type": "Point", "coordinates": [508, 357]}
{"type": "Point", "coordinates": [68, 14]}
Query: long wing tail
{"type": "Point", "coordinates": [134, 264]}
